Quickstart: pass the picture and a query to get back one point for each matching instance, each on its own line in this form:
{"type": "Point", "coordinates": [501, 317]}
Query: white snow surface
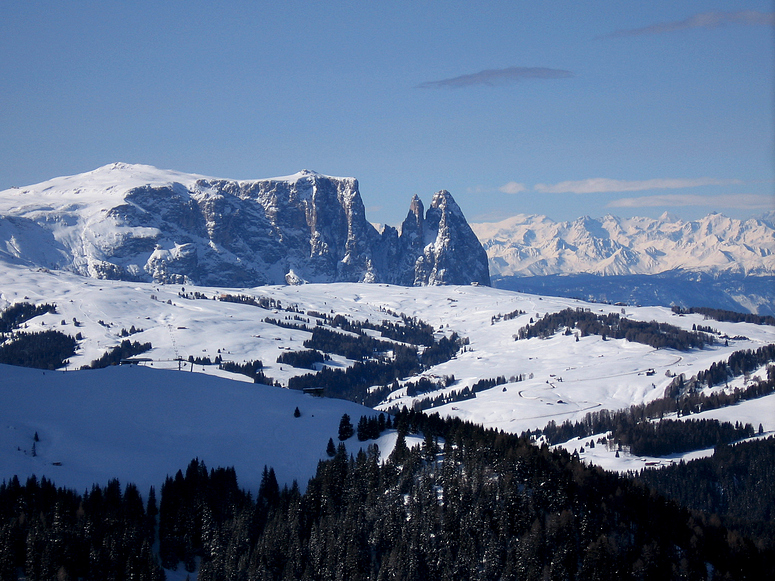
{"type": "Point", "coordinates": [140, 424]}
{"type": "Point", "coordinates": [100, 426]}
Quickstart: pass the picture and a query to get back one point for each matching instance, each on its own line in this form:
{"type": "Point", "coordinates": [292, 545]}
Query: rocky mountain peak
{"type": "Point", "coordinates": [136, 222]}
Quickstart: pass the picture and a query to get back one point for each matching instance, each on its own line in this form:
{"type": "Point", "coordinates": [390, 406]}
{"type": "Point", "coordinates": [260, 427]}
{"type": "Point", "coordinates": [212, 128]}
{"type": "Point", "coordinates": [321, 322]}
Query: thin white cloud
{"type": "Point", "coordinates": [605, 185]}
{"type": "Point", "coordinates": [478, 190]}
{"type": "Point", "coordinates": [704, 20]}
{"type": "Point", "coordinates": [492, 77]}
{"type": "Point", "coordinates": [512, 188]}
{"type": "Point", "coordinates": [737, 201]}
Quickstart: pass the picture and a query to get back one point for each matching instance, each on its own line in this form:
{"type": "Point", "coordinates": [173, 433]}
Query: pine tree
{"type": "Point", "coordinates": [296, 413]}
{"type": "Point", "coordinates": [346, 429]}
{"type": "Point", "coordinates": [331, 449]}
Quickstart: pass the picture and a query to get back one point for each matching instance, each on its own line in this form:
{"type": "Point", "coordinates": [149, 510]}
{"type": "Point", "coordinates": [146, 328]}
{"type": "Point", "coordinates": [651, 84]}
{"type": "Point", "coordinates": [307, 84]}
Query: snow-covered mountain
{"type": "Point", "coordinates": [537, 246]}
{"type": "Point", "coordinates": [139, 223]}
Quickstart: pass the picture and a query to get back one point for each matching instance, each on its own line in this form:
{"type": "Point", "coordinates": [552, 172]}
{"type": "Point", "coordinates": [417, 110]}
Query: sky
{"type": "Point", "coordinates": [558, 108]}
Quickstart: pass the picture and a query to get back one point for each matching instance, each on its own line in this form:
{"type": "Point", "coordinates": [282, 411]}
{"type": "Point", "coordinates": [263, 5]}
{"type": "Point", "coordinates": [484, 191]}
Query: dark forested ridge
{"type": "Point", "coordinates": [53, 533]}
{"type": "Point", "coordinates": [614, 326]}
{"type": "Point", "coordinates": [736, 483]}
{"type": "Point", "coordinates": [729, 316]}
{"type": "Point", "coordinates": [491, 506]}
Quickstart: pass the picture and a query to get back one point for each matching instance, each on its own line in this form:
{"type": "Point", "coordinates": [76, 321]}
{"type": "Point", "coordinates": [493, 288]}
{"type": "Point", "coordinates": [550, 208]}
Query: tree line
{"type": "Point", "coordinates": [48, 532]}
{"type": "Point", "coordinates": [726, 316]}
{"type": "Point", "coordinates": [15, 315]}
{"type": "Point", "coordinates": [114, 356]}
{"type": "Point", "coordinates": [612, 325]}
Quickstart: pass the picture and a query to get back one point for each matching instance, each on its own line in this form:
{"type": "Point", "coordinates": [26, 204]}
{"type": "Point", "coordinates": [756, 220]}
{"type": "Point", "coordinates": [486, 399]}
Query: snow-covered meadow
{"type": "Point", "coordinates": [143, 423]}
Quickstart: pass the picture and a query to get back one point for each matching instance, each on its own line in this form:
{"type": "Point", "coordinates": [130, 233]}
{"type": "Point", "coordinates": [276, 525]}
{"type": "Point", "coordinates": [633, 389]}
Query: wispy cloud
{"type": "Point", "coordinates": [512, 188]}
{"type": "Point", "coordinates": [738, 201]}
{"type": "Point", "coordinates": [493, 77]}
{"type": "Point", "coordinates": [704, 20]}
{"type": "Point", "coordinates": [605, 185]}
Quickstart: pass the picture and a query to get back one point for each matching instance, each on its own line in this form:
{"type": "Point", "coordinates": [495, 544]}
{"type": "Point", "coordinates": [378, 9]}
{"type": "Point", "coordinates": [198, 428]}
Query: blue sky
{"type": "Point", "coordinates": [557, 108]}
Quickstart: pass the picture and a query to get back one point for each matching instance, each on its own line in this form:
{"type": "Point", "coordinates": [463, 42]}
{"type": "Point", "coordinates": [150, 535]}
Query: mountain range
{"type": "Point", "coordinates": [139, 223]}
{"type": "Point", "coordinates": [715, 261]}
{"type": "Point", "coordinates": [143, 224]}
{"type": "Point", "coordinates": [610, 246]}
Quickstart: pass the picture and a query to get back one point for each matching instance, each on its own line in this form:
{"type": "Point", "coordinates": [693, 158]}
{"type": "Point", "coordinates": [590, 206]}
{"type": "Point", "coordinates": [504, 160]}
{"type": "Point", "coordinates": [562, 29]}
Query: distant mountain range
{"type": "Point", "coordinates": [136, 222]}
{"type": "Point", "coordinates": [715, 261]}
{"type": "Point", "coordinates": [610, 246]}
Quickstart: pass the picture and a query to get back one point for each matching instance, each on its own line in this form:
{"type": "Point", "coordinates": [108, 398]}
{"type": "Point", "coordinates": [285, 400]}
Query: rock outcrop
{"type": "Point", "coordinates": [139, 223]}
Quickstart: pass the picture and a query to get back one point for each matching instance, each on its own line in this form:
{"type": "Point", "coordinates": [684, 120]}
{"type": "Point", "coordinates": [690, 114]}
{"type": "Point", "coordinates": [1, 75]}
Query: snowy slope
{"type": "Point", "coordinates": [139, 424]}
{"type": "Point", "coordinates": [594, 373]}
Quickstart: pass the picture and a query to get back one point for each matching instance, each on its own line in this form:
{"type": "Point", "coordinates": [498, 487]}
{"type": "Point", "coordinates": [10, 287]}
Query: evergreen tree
{"type": "Point", "coordinates": [331, 448]}
{"type": "Point", "coordinates": [345, 428]}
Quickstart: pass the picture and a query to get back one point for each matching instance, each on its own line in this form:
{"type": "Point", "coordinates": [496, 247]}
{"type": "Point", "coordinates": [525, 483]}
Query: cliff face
{"type": "Point", "coordinates": [139, 223]}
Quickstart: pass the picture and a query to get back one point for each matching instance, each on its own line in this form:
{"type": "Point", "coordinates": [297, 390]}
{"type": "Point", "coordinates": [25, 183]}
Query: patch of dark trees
{"type": "Point", "coordinates": [734, 485]}
{"type": "Point", "coordinates": [198, 360]}
{"type": "Point", "coordinates": [132, 330]}
{"type": "Point", "coordinates": [251, 369]}
{"type": "Point", "coordinates": [612, 325]}
{"type": "Point", "coordinates": [41, 350]}
{"type": "Point", "coordinates": [54, 533]}
{"type": "Point", "coordinates": [288, 323]}
{"type": "Point", "coordinates": [507, 317]}
{"type": "Point", "coordinates": [424, 385]}
{"type": "Point", "coordinates": [114, 356]}
{"type": "Point", "coordinates": [412, 330]}
{"type": "Point", "coordinates": [726, 316]}
{"type": "Point", "coordinates": [16, 315]}
{"type": "Point", "coordinates": [441, 351]}
{"type": "Point", "coordinates": [355, 347]}
{"type": "Point", "coordinates": [443, 399]}
{"type": "Point", "coordinates": [372, 366]}
{"type": "Point", "coordinates": [452, 396]}
{"type": "Point", "coordinates": [739, 363]}
{"type": "Point", "coordinates": [371, 427]}
{"type": "Point", "coordinates": [633, 429]}
{"type": "Point", "coordinates": [677, 436]}
{"type": "Point", "coordinates": [353, 383]}
{"type": "Point", "coordinates": [427, 384]}
{"type": "Point", "coordinates": [303, 359]}
{"type": "Point", "coordinates": [193, 296]}
{"type": "Point", "coordinates": [263, 302]}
